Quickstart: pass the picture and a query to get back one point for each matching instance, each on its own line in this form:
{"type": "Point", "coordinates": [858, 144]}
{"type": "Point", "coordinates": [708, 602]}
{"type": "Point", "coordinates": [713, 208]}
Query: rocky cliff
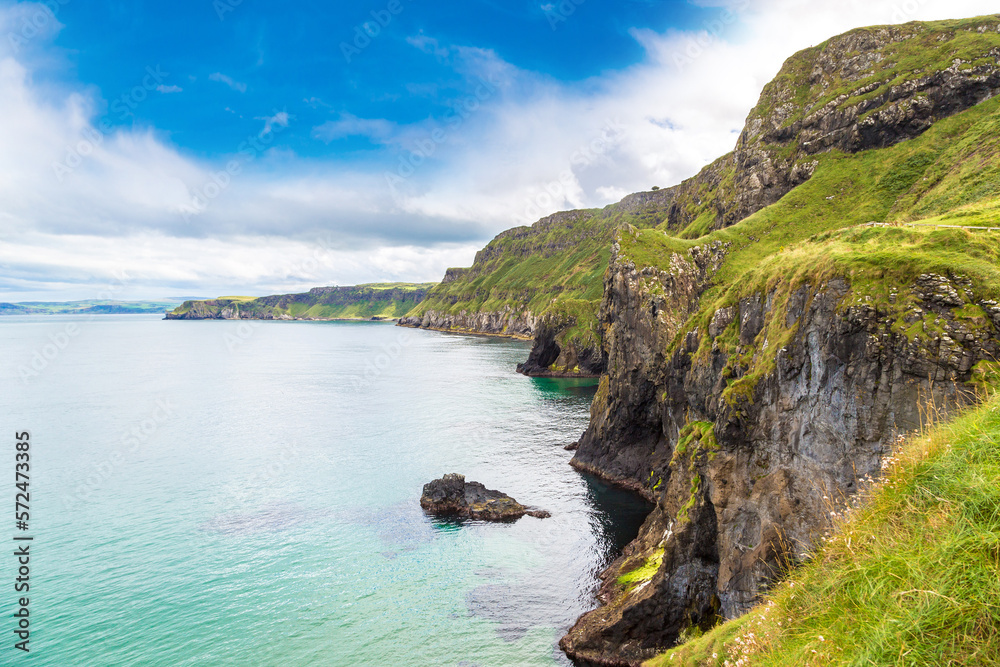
{"type": "Point", "coordinates": [544, 282]}
{"type": "Point", "coordinates": [870, 88]}
{"type": "Point", "coordinates": [745, 466]}
{"type": "Point", "coordinates": [550, 356]}
{"type": "Point", "coordinates": [757, 375]}
{"type": "Point", "coordinates": [541, 282]}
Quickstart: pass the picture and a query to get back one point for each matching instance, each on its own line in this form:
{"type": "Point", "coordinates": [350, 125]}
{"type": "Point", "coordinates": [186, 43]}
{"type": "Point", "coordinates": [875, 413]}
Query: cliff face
{"type": "Point", "coordinates": [505, 322]}
{"type": "Point", "coordinates": [543, 282]}
{"type": "Point", "coordinates": [757, 376]}
{"type": "Point", "coordinates": [744, 475]}
{"type": "Point", "coordinates": [870, 88]}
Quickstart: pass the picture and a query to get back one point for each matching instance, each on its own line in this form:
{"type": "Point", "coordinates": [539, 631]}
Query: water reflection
{"type": "Point", "coordinates": [616, 518]}
{"type": "Point", "coordinates": [562, 388]}
{"type": "Point", "coordinates": [548, 597]}
{"type": "Point", "coordinates": [448, 524]}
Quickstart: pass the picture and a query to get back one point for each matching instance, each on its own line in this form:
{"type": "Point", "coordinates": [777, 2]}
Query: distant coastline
{"type": "Point", "coordinates": [379, 302]}
{"type": "Point", "coordinates": [93, 307]}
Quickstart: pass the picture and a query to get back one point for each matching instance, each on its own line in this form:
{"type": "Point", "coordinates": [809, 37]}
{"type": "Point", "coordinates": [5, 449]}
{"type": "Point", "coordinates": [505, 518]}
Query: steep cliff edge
{"type": "Point", "coordinates": [742, 431]}
{"type": "Point", "coordinates": [870, 88]}
{"type": "Point", "coordinates": [910, 566]}
{"type": "Point", "coordinates": [760, 371]}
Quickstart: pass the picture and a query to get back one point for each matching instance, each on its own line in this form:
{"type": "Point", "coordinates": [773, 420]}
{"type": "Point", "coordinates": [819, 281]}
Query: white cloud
{"type": "Point", "coordinates": [222, 78]}
{"type": "Point", "coordinates": [378, 130]}
{"type": "Point", "coordinates": [26, 25]}
{"type": "Point", "coordinates": [680, 109]}
{"type": "Point", "coordinates": [279, 119]}
{"type": "Point", "coordinates": [524, 147]}
{"type": "Point", "coordinates": [77, 206]}
{"type": "Point", "coordinates": [169, 89]}
{"type": "Point", "coordinates": [150, 266]}
{"type": "Point", "coordinates": [429, 45]}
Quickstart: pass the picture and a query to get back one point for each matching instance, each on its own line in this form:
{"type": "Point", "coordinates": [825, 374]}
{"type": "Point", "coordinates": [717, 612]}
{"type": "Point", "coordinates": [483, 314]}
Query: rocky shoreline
{"type": "Point", "coordinates": [547, 357]}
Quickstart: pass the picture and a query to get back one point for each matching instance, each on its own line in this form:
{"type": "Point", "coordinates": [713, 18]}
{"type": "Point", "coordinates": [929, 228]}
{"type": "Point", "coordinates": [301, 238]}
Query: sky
{"type": "Point", "coordinates": [238, 147]}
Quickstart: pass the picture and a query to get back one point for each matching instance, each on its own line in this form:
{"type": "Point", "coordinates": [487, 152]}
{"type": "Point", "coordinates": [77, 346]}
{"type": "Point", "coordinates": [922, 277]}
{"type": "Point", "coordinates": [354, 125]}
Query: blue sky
{"type": "Point", "coordinates": [223, 146]}
{"type": "Point", "coordinates": [290, 57]}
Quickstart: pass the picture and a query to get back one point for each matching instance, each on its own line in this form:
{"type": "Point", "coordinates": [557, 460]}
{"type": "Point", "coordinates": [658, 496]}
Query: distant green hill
{"type": "Point", "coordinates": [383, 301]}
{"type": "Point", "coordinates": [95, 307]}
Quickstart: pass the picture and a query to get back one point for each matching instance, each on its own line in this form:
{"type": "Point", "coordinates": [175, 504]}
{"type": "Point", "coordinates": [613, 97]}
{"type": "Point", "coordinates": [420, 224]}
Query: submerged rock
{"type": "Point", "coordinates": [453, 496]}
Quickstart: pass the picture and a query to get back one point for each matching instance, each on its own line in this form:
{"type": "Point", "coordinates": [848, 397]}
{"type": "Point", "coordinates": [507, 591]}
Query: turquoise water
{"type": "Point", "coordinates": [224, 493]}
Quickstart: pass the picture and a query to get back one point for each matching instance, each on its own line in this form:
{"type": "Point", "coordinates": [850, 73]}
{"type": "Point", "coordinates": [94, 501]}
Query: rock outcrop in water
{"type": "Point", "coordinates": [453, 496]}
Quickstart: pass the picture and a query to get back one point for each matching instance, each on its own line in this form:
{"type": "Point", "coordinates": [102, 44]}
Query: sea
{"type": "Point", "coordinates": [246, 493]}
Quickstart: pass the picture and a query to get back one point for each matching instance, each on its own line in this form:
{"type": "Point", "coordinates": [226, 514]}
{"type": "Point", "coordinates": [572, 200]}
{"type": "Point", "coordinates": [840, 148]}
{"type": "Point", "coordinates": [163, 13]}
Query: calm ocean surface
{"type": "Point", "coordinates": [226, 493]}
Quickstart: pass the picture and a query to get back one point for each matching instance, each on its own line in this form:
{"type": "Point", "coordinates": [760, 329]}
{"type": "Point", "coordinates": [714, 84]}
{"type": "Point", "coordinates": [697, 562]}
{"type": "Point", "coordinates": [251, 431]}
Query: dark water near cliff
{"type": "Point", "coordinates": [210, 493]}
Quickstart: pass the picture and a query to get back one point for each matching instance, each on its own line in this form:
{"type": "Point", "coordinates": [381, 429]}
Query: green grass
{"type": "Point", "coordinates": [645, 572]}
{"type": "Point", "coordinates": [555, 268]}
{"type": "Point", "coordinates": [695, 439]}
{"type": "Point", "coordinates": [911, 576]}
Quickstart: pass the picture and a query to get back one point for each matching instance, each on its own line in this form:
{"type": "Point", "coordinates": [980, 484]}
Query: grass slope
{"type": "Point", "coordinates": [911, 576]}
{"type": "Point", "coordinates": [555, 268]}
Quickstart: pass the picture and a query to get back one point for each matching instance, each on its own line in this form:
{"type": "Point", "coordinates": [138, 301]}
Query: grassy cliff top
{"type": "Point", "coordinates": [869, 87]}
{"type": "Point", "coordinates": [910, 575]}
{"type": "Point", "coordinates": [865, 63]}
